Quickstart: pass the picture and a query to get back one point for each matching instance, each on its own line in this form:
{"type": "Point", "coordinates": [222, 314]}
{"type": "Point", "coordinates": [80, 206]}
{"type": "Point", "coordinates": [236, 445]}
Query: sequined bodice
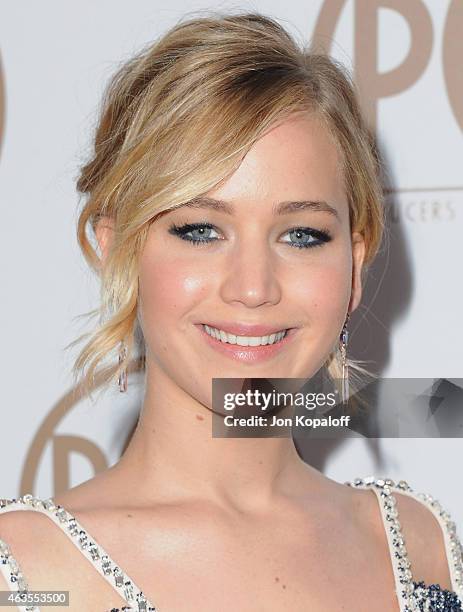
{"type": "Point", "coordinates": [412, 596]}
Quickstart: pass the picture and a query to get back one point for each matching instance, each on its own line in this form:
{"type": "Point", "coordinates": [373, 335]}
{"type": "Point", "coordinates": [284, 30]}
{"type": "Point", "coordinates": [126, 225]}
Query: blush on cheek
{"type": "Point", "coordinates": [169, 291]}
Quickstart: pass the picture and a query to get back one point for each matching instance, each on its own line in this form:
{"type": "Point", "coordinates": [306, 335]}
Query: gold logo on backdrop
{"type": "Point", "coordinates": [452, 54]}
{"type": "Point", "coordinates": [375, 86]}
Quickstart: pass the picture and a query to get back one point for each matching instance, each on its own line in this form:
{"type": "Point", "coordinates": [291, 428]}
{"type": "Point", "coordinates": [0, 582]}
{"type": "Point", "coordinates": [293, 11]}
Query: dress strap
{"type": "Point", "coordinates": [88, 546]}
{"type": "Point", "coordinates": [403, 578]}
{"type": "Point", "coordinates": [406, 588]}
{"type": "Point", "coordinates": [453, 547]}
{"type": "Point", "coordinates": [14, 577]}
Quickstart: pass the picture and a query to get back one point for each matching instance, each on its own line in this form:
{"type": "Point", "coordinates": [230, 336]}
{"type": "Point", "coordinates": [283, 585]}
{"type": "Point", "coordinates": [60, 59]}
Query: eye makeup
{"type": "Point", "coordinates": [311, 237]}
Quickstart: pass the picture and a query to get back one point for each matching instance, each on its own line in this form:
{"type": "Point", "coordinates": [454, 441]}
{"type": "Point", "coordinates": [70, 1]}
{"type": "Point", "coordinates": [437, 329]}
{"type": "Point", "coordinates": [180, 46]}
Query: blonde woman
{"type": "Point", "coordinates": [234, 192]}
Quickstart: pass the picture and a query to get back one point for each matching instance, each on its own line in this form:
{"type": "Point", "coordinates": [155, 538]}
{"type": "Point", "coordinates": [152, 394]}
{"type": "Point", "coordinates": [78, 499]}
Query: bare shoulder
{"type": "Point", "coordinates": [35, 543]}
{"type": "Point", "coordinates": [424, 536]}
{"type": "Point", "coordinates": [49, 561]}
{"type": "Point", "coordinates": [31, 543]}
{"type": "Point", "coordinates": [35, 538]}
{"type": "Point", "coordinates": [24, 531]}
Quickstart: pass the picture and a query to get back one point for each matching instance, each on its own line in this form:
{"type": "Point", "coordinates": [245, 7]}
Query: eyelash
{"type": "Point", "coordinates": [322, 235]}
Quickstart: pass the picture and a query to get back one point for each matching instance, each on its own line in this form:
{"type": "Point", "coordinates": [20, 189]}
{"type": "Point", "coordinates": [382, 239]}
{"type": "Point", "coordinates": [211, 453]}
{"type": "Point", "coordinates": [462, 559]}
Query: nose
{"type": "Point", "coordinates": [251, 276]}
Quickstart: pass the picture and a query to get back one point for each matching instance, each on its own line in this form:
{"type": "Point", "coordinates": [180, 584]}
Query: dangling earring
{"type": "Point", "coordinates": [344, 337]}
{"type": "Point", "coordinates": [122, 382]}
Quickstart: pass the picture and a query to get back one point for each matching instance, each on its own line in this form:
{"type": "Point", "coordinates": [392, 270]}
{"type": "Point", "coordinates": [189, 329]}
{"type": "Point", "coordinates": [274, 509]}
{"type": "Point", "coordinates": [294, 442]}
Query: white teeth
{"type": "Point", "coordinates": [223, 336]}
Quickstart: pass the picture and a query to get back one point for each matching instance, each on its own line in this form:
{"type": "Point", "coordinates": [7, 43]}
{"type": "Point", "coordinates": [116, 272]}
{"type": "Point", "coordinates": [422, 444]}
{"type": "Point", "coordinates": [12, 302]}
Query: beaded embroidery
{"type": "Point", "coordinates": [412, 596]}
{"type": "Point", "coordinates": [416, 596]}
{"type": "Point", "coordinates": [16, 577]}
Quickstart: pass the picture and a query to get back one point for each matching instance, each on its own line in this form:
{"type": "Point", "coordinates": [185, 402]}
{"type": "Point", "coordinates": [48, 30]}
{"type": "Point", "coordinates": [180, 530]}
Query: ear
{"type": "Point", "coordinates": [358, 256]}
{"type": "Point", "coordinates": [104, 232]}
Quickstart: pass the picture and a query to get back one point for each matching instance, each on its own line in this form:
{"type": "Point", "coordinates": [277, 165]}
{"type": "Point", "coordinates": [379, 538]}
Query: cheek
{"type": "Point", "coordinates": [325, 293]}
{"type": "Point", "coordinates": [168, 287]}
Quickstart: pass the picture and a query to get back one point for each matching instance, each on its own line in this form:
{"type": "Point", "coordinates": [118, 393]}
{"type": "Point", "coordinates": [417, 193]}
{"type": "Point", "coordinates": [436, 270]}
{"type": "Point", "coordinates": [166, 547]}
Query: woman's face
{"type": "Point", "coordinates": [249, 265]}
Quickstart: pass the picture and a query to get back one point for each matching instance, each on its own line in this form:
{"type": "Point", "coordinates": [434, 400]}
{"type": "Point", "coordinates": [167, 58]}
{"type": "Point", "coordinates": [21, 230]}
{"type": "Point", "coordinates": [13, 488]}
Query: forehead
{"type": "Point", "coordinates": [296, 159]}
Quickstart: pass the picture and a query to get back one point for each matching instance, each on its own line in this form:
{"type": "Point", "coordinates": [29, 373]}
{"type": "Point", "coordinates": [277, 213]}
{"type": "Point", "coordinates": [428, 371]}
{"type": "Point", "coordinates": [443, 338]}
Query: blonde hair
{"type": "Point", "coordinates": [178, 118]}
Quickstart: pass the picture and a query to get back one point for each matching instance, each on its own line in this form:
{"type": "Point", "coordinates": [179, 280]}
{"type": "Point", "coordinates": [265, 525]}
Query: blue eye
{"type": "Point", "coordinates": [307, 237]}
{"type": "Point", "coordinates": [202, 232]}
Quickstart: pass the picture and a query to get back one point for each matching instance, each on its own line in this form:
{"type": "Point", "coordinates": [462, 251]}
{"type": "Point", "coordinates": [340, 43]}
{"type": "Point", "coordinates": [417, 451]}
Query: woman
{"type": "Point", "coordinates": [233, 188]}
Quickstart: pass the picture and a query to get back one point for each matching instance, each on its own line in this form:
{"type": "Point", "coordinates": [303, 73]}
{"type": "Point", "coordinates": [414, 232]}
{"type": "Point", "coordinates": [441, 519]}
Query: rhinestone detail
{"type": "Point", "coordinates": [416, 596]}
{"type": "Point", "coordinates": [95, 553]}
{"type": "Point", "coordinates": [16, 577]}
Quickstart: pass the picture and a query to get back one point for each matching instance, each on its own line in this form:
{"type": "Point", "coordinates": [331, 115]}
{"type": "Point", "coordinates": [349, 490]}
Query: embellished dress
{"type": "Point", "coordinates": [411, 595]}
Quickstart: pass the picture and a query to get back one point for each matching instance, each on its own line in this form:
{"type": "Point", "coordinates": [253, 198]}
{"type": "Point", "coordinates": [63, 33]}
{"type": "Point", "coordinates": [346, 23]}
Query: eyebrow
{"type": "Point", "coordinates": [282, 208]}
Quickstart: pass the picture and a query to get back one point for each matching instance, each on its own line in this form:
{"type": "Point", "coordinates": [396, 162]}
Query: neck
{"type": "Point", "coordinates": [172, 454]}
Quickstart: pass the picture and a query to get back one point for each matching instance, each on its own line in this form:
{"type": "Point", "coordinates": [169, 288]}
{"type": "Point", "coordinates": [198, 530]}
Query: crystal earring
{"type": "Point", "coordinates": [344, 337]}
{"type": "Point", "coordinates": [122, 382]}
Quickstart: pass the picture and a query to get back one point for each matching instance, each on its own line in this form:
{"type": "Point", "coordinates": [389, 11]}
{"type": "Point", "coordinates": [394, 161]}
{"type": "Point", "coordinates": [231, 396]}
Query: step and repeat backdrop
{"type": "Point", "coordinates": [55, 59]}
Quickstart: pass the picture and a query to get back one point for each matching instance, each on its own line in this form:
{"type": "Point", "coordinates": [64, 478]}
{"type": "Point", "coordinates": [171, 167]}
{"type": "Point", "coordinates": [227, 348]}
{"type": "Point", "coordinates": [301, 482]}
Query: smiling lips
{"type": "Point", "coordinates": [246, 347]}
{"type": "Point", "coordinates": [223, 336]}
